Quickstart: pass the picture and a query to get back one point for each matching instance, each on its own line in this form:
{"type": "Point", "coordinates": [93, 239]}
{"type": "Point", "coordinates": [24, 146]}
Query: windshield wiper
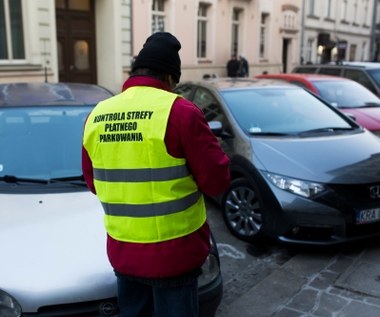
{"type": "Point", "coordinates": [72, 180]}
{"type": "Point", "coordinates": [372, 104]}
{"type": "Point", "coordinates": [15, 179]}
{"type": "Point", "coordinates": [68, 179]}
{"type": "Point", "coordinates": [324, 130]}
{"type": "Point", "coordinates": [270, 133]}
{"type": "Point", "coordinates": [364, 105]}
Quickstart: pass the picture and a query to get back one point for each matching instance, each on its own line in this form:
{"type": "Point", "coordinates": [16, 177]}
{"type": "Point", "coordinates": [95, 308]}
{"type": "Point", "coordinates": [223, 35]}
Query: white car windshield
{"type": "Point", "coordinates": [41, 142]}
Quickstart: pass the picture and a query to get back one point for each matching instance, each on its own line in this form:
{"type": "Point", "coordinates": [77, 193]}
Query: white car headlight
{"type": "Point", "coordinates": [210, 270]}
{"type": "Point", "coordinates": [9, 307]}
{"type": "Point", "coordinates": [295, 186]}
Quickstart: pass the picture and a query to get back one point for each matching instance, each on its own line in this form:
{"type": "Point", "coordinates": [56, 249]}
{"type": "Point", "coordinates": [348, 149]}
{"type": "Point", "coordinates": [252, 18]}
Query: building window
{"type": "Point", "coordinates": [355, 21]}
{"type": "Point", "coordinates": [235, 31]}
{"type": "Point", "coordinates": [11, 31]}
{"type": "Point", "coordinates": [312, 7]}
{"type": "Point", "coordinates": [289, 19]}
{"type": "Point", "coordinates": [352, 52]}
{"type": "Point", "coordinates": [263, 34]}
{"type": "Point", "coordinates": [364, 50]}
{"type": "Point", "coordinates": [365, 17]}
{"type": "Point", "coordinates": [309, 50]}
{"type": "Point", "coordinates": [202, 30]}
{"type": "Point", "coordinates": [344, 10]}
{"type": "Point", "coordinates": [328, 14]}
{"type": "Point", "coordinates": [158, 16]}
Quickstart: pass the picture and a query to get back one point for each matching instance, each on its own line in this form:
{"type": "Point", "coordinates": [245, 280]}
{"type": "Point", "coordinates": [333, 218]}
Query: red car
{"type": "Point", "coordinates": [346, 94]}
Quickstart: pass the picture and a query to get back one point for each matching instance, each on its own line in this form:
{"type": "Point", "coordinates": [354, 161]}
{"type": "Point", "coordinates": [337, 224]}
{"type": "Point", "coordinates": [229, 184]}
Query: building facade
{"type": "Point", "coordinates": [265, 32]}
{"type": "Point", "coordinates": [65, 40]}
{"type": "Point", "coordinates": [339, 30]}
{"type": "Point", "coordinates": [95, 40]}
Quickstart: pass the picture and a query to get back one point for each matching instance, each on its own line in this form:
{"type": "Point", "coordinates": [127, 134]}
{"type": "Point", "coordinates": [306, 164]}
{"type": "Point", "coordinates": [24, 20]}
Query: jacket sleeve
{"type": "Point", "coordinates": [194, 140]}
{"type": "Point", "coordinates": [87, 169]}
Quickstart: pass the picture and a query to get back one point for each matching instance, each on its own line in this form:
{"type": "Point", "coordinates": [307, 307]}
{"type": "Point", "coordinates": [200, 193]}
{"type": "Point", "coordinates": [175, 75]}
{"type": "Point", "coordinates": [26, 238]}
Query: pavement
{"type": "Point", "coordinates": [339, 284]}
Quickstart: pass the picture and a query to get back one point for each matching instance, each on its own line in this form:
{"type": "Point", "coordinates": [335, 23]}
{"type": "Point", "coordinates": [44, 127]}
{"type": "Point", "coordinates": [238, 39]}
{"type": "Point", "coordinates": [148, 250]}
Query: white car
{"type": "Point", "coordinates": [52, 238]}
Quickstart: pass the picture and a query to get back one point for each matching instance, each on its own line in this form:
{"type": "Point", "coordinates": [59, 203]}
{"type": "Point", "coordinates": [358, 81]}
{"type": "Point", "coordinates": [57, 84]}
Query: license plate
{"type": "Point", "coordinates": [367, 216]}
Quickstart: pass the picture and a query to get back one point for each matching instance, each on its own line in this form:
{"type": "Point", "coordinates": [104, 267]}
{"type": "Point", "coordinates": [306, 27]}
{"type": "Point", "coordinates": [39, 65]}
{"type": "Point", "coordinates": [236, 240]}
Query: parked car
{"type": "Point", "coordinates": [52, 238]}
{"type": "Point", "coordinates": [365, 73]}
{"type": "Point", "coordinates": [302, 171]}
{"type": "Point", "coordinates": [347, 95]}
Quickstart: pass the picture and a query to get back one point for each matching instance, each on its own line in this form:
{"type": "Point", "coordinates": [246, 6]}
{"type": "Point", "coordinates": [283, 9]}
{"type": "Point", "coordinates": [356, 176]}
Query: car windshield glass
{"type": "Point", "coordinates": [375, 74]}
{"type": "Point", "coordinates": [281, 110]}
{"type": "Point", "coordinates": [41, 142]}
{"type": "Point", "coordinates": [346, 94]}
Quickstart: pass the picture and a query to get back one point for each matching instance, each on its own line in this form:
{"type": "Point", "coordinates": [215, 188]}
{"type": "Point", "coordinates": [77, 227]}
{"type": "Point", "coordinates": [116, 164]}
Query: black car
{"type": "Point", "coordinates": [52, 238]}
{"type": "Point", "coordinates": [302, 171]}
{"type": "Point", "coordinates": [365, 73]}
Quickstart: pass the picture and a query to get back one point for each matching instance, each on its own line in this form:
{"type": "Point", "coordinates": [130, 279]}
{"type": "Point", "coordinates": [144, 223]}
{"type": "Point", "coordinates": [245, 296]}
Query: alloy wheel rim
{"type": "Point", "coordinates": [243, 211]}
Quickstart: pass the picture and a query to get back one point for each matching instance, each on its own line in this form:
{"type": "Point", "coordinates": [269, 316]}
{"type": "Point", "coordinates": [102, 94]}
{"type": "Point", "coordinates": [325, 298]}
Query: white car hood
{"type": "Point", "coordinates": [54, 249]}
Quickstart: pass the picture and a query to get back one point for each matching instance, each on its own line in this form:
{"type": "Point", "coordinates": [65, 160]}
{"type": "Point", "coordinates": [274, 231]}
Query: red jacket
{"type": "Point", "coordinates": [188, 136]}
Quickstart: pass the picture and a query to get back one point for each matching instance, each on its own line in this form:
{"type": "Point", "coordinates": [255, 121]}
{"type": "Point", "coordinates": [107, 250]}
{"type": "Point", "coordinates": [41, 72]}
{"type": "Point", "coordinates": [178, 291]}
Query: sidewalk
{"type": "Point", "coordinates": [310, 285]}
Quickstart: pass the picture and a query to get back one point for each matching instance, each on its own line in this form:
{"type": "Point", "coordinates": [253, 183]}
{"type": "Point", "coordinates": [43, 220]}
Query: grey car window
{"type": "Point", "coordinates": [360, 77]}
{"type": "Point", "coordinates": [305, 70]}
{"type": "Point", "coordinates": [208, 104]}
{"type": "Point", "coordinates": [185, 91]}
{"type": "Point", "coordinates": [330, 71]}
{"type": "Point", "coordinates": [375, 75]}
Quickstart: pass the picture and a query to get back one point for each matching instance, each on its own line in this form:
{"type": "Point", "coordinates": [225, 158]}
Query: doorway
{"type": "Point", "coordinates": [285, 49]}
{"type": "Point", "coordinates": [76, 41]}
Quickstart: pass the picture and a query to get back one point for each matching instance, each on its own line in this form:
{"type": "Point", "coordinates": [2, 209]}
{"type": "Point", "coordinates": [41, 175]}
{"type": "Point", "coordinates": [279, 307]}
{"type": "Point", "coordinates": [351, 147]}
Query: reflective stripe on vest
{"type": "Point", "coordinates": [150, 196]}
{"type": "Point", "coordinates": [151, 210]}
{"type": "Point", "coordinates": [141, 175]}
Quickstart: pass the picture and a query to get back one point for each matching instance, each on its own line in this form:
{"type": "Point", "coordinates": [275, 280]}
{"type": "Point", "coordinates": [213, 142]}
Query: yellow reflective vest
{"type": "Point", "coordinates": [148, 195]}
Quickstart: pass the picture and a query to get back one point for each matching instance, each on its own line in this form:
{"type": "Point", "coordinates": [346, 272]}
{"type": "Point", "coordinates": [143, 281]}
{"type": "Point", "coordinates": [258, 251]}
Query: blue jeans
{"type": "Point", "coordinates": [138, 299]}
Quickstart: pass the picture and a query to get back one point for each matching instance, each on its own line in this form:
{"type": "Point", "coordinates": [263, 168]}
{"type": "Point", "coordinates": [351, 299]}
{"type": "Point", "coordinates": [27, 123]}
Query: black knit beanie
{"type": "Point", "coordinates": [160, 53]}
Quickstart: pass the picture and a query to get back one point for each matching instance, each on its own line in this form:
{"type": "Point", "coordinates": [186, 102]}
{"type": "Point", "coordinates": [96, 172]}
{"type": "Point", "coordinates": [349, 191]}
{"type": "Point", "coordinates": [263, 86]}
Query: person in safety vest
{"type": "Point", "coordinates": [150, 156]}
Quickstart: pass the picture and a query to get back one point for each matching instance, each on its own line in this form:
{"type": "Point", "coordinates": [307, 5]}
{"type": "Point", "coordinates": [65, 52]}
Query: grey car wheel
{"type": "Point", "coordinates": [242, 210]}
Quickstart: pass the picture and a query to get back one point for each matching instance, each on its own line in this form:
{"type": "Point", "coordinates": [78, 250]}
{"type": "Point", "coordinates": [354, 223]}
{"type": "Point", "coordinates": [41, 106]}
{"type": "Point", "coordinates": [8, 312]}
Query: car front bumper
{"type": "Point", "coordinates": [328, 221]}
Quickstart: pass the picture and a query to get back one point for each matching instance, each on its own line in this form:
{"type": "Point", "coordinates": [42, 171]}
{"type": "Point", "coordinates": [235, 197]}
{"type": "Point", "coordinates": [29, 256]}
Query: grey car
{"type": "Point", "coordinates": [365, 73]}
{"type": "Point", "coordinates": [302, 171]}
{"type": "Point", "coordinates": [52, 239]}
